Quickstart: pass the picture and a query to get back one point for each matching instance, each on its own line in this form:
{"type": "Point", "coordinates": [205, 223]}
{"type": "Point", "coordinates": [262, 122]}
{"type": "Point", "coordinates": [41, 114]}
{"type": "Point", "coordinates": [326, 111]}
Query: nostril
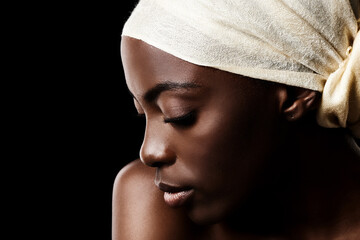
{"type": "Point", "coordinates": [157, 161]}
{"type": "Point", "coordinates": [156, 164]}
{"type": "Point", "coordinates": [154, 161]}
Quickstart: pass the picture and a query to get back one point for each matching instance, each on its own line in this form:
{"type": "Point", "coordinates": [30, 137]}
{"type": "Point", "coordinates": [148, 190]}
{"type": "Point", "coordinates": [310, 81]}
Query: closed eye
{"type": "Point", "coordinates": [183, 121]}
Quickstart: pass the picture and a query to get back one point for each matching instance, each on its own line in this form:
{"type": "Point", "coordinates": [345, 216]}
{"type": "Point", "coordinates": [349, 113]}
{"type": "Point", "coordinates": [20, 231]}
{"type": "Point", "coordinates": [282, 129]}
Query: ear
{"type": "Point", "coordinates": [298, 102]}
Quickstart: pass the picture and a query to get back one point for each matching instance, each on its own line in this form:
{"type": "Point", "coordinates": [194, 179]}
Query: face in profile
{"type": "Point", "coordinates": [208, 132]}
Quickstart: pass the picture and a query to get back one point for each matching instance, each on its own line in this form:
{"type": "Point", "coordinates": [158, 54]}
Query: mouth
{"type": "Point", "coordinates": [175, 196]}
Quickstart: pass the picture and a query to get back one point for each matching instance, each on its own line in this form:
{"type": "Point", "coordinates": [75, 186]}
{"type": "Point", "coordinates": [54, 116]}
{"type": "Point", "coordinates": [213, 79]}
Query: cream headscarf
{"type": "Point", "coordinates": [313, 44]}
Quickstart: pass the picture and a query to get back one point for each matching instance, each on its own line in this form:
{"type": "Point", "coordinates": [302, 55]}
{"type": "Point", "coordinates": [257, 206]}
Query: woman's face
{"type": "Point", "coordinates": [206, 130]}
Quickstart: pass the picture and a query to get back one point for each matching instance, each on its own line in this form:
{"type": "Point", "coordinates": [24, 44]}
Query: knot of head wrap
{"type": "Point", "coordinates": [299, 43]}
{"type": "Point", "coordinates": [340, 105]}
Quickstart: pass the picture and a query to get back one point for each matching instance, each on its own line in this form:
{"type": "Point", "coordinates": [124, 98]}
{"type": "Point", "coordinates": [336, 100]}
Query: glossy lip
{"type": "Point", "coordinates": [175, 196]}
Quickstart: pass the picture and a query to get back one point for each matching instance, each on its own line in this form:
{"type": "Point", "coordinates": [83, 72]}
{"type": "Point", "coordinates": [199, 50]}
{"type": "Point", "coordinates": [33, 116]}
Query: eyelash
{"type": "Point", "coordinates": [183, 121]}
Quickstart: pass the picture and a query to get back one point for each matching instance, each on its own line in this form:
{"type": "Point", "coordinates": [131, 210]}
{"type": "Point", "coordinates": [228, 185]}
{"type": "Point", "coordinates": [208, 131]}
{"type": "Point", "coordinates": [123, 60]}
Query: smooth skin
{"type": "Point", "coordinates": [259, 165]}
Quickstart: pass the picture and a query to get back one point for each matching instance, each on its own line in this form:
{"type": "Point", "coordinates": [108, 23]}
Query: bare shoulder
{"type": "Point", "coordinates": [139, 211]}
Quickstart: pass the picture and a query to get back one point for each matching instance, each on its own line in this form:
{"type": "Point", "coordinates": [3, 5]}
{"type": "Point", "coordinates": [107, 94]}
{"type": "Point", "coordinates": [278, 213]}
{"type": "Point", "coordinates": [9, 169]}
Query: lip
{"type": "Point", "coordinates": [175, 196]}
{"type": "Point", "coordinates": [171, 188]}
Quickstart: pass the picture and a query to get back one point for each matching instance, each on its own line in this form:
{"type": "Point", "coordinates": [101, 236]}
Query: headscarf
{"type": "Point", "coordinates": [313, 44]}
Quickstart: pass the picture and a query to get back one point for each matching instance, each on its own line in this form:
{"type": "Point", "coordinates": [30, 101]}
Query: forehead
{"type": "Point", "coordinates": [146, 66]}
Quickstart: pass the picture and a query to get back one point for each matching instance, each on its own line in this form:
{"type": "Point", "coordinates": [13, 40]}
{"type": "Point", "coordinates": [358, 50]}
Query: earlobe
{"type": "Point", "coordinates": [299, 101]}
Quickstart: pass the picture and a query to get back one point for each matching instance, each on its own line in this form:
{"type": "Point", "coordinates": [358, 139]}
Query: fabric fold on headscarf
{"type": "Point", "coordinates": [309, 44]}
{"type": "Point", "coordinates": [340, 105]}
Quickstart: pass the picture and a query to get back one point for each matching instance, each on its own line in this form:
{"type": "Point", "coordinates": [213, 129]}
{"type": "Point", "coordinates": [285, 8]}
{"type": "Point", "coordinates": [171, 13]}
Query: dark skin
{"type": "Point", "coordinates": [258, 163]}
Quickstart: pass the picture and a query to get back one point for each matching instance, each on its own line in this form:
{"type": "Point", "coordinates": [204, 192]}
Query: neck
{"type": "Point", "coordinates": [310, 188]}
{"type": "Point", "coordinates": [326, 198]}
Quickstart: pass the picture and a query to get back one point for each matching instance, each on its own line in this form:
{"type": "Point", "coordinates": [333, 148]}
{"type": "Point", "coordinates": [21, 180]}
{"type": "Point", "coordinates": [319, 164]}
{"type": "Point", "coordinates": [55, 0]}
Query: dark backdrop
{"type": "Point", "coordinates": [109, 127]}
{"type": "Point", "coordinates": [93, 129]}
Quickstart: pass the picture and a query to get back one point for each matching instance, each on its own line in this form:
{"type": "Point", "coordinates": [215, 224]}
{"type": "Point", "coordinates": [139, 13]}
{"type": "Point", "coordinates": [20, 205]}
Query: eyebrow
{"type": "Point", "coordinates": [154, 92]}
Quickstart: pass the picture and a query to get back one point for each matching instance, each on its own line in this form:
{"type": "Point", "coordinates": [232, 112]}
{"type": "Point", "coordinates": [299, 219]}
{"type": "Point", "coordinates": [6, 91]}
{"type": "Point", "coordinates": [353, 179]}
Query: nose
{"type": "Point", "coordinates": [155, 150]}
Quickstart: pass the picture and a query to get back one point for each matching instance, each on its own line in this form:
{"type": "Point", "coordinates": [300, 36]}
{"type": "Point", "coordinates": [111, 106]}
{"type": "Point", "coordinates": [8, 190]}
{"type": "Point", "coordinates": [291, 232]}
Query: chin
{"type": "Point", "coordinates": [207, 215]}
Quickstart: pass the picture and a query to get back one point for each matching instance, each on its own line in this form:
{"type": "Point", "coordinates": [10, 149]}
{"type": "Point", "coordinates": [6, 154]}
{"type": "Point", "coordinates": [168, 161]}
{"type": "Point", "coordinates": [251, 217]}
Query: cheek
{"type": "Point", "coordinates": [222, 162]}
{"type": "Point", "coordinates": [209, 149]}
{"type": "Point", "coordinates": [224, 150]}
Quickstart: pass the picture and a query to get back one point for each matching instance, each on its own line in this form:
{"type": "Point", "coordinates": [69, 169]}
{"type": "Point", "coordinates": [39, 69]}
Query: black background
{"type": "Point", "coordinates": [78, 125]}
{"type": "Point", "coordinates": [108, 131]}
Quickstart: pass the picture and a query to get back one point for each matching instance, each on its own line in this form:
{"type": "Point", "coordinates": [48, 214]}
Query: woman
{"type": "Point", "coordinates": [251, 108]}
